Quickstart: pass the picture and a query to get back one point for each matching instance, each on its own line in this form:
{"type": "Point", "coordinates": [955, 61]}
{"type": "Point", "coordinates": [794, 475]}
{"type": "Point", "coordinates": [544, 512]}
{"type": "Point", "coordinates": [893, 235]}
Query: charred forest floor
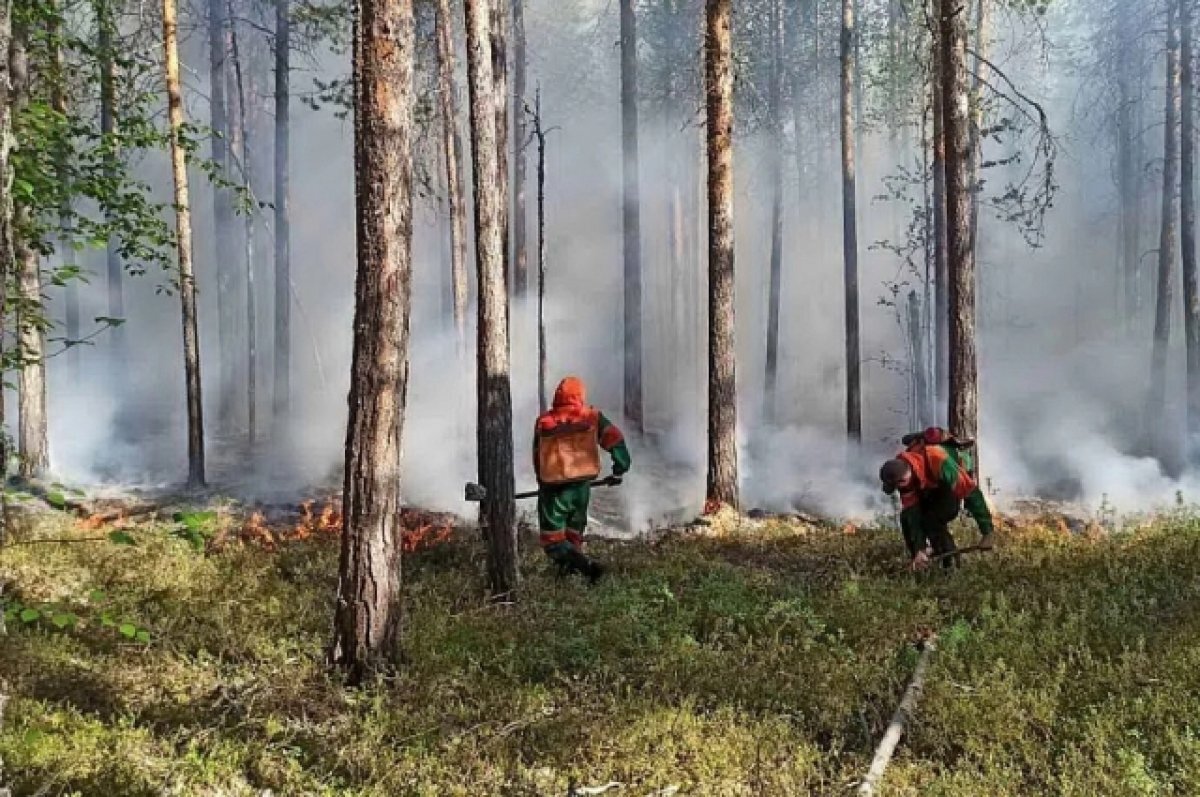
{"type": "Point", "coordinates": [735, 662]}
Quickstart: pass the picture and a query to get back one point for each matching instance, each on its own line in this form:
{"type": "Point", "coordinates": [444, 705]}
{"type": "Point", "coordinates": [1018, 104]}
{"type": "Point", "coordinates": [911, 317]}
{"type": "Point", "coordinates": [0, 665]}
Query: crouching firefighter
{"type": "Point", "coordinates": [567, 440]}
{"type": "Point", "coordinates": [935, 477]}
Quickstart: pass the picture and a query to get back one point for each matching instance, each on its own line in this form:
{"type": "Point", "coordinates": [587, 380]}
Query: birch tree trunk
{"type": "Point", "coordinates": [367, 619]}
{"type": "Point", "coordinates": [114, 269]}
{"type": "Point", "coordinates": [964, 389]}
{"type": "Point", "coordinates": [183, 227]}
{"type": "Point", "coordinates": [282, 386]}
{"type": "Point", "coordinates": [494, 402]}
{"type": "Point", "coordinates": [850, 227]}
{"type": "Point", "coordinates": [631, 215]}
{"type": "Point", "coordinates": [941, 281]}
{"type": "Point", "coordinates": [722, 382]}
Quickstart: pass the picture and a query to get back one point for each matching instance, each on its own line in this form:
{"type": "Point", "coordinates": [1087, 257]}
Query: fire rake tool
{"type": "Point", "coordinates": [477, 492]}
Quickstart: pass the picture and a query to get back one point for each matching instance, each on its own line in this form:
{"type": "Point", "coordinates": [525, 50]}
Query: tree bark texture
{"type": "Point", "coordinates": [282, 384]}
{"type": "Point", "coordinates": [941, 323]}
{"type": "Point", "coordinates": [1167, 247]}
{"type": "Point", "coordinates": [32, 446]}
{"type": "Point", "coordinates": [58, 102]}
{"type": "Point", "coordinates": [367, 620]}
{"type": "Point", "coordinates": [114, 268]}
{"type": "Point", "coordinates": [631, 216]}
{"type": "Point", "coordinates": [183, 227]}
{"type": "Point", "coordinates": [722, 485]}
{"type": "Point", "coordinates": [494, 400]}
{"type": "Point", "coordinates": [241, 144]}
{"type": "Point", "coordinates": [775, 167]}
{"type": "Point", "coordinates": [520, 230]}
{"type": "Point", "coordinates": [982, 23]}
{"type": "Point", "coordinates": [222, 216]}
{"type": "Point", "coordinates": [850, 227]}
{"type": "Point", "coordinates": [499, 35]}
{"type": "Point", "coordinates": [1191, 284]}
{"type": "Point", "coordinates": [452, 152]}
{"type": "Point", "coordinates": [964, 389]}
{"type": "Point", "coordinates": [540, 135]}
{"type": "Point", "coordinates": [7, 249]}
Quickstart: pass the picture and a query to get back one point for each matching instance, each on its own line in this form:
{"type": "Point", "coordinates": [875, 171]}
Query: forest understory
{"type": "Point", "coordinates": [182, 651]}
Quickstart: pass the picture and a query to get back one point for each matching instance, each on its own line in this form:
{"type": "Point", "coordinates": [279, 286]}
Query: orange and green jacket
{"type": "Point", "coordinates": [936, 467]}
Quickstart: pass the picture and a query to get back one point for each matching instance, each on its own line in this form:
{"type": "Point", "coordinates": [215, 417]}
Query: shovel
{"type": "Point", "coordinates": [477, 492]}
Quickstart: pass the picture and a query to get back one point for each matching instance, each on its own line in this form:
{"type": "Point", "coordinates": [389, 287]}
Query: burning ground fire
{"type": "Point", "coordinates": [420, 529]}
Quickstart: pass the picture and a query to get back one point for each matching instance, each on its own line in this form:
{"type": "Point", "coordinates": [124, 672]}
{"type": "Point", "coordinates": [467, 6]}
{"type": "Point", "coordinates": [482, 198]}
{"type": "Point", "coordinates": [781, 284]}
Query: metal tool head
{"type": "Point", "coordinates": [475, 492]}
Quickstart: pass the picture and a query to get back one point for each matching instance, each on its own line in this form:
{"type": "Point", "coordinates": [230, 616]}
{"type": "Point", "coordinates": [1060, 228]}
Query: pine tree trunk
{"type": "Point", "coordinates": [964, 389]}
{"type": "Point", "coordinates": [183, 225]}
{"type": "Point", "coordinates": [367, 621]}
{"type": "Point", "coordinates": [241, 144]}
{"type": "Point", "coordinates": [494, 402]}
{"type": "Point", "coordinates": [108, 129]}
{"type": "Point", "coordinates": [452, 154]}
{"type": "Point", "coordinates": [498, 21]}
{"type": "Point", "coordinates": [58, 101]}
{"type": "Point", "coordinates": [775, 167]}
{"type": "Point", "coordinates": [31, 342]}
{"type": "Point", "coordinates": [282, 388]}
{"type": "Point", "coordinates": [1167, 248]}
{"type": "Point", "coordinates": [520, 230]}
{"type": "Point", "coordinates": [1191, 285]}
{"type": "Point", "coordinates": [222, 216]}
{"type": "Point", "coordinates": [983, 22]}
{"type": "Point", "coordinates": [7, 250]}
{"type": "Point", "coordinates": [1159, 433]}
{"type": "Point", "coordinates": [631, 215]}
{"type": "Point", "coordinates": [941, 323]}
{"type": "Point", "coordinates": [850, 227]}
{"type": "Point", "coordinates": [539, 133]}
{"type": "Point", "coordinates": [722, 382]}
{"type": "Point", "coordinates": [920, 374]}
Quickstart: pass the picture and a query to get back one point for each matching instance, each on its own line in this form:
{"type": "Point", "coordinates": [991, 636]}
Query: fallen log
{"type": "Point", "coordinates": [891, 738]}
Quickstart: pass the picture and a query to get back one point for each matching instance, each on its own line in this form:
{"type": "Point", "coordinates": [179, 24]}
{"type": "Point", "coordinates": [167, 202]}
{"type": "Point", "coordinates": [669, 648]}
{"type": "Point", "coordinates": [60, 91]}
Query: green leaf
{"type": "Point", "coordinates": [56, 500]}
{"type": "Point", "coordinates": [128, 630]}
{"type": "Point", "coordinates": [30, 615]}
{"type": "Point", "coordinates": [121, 538]}
{"type": "Point", "coordinates": [97, 596]}
{"type": "Point", "coordinates": [106, 621]}
{"type": "Point", "coordinates": [63, 620]}
{"type": "Point", "coordinates": [143, 636]}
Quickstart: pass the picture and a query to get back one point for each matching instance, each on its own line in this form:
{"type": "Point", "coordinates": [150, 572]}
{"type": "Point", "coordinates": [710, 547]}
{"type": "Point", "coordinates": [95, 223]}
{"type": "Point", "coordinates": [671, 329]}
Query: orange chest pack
{"type": "Point", "coordinates": [568, 447]}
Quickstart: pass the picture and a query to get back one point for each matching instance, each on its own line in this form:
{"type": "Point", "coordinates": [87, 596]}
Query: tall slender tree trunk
{"type": "Point", "coordinates": [520, 230]}
{"type": "Point", "coordinates": [31, 341]}
{"type": "Point", "coordinates": [920, 374]}
{"type": "Point", "coordinates": [222, 215]}
{"type": "Point", "coordinates": [282, 387]}
{"type": "Point", "coordinates": [498, 19]}
{"type": "Point", "coordinates": [452, 152]}
{"type": "Point", "coordinates": [722, 355]}
{"type": "Point", "coordinates": [8, 90]}
{"type": "Point", "coordinates": [631, 215]}
{"type": "Point", "coordinates": [58, 101]}
{"type": "Point", "coordinates": [850, 227]}
{"type": "Point", "coordinates": [106, 26]}
{"type": "Point", "coordinates": [775, 166]}
{"type": "Point", "coordinates": [241, 144]}
{"type": "Point", "coordinates": [941, 323]}
{"type": "Point", "coordinates": [964, 389]}
{"type": "Point", "coordinates": [367, 619]}
{"type": "Point", "coordinates": [183, 226]}
{"type": "Point", "coordinates": [1191, 284]}
{"type": "Point", "coordinates": [540, 135]}
{"type": "Point", "coordinates": [1167, 249]}
{"type": "Point", "coordinates": [983, 23]}
{"type": "Point", "coordinates": [494, 402]}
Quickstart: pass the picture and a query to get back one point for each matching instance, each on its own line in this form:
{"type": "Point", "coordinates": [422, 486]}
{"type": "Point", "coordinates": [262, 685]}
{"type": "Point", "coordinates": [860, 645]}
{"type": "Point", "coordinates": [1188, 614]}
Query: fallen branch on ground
{"type": "Point", "coordinates": [891, 738]}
